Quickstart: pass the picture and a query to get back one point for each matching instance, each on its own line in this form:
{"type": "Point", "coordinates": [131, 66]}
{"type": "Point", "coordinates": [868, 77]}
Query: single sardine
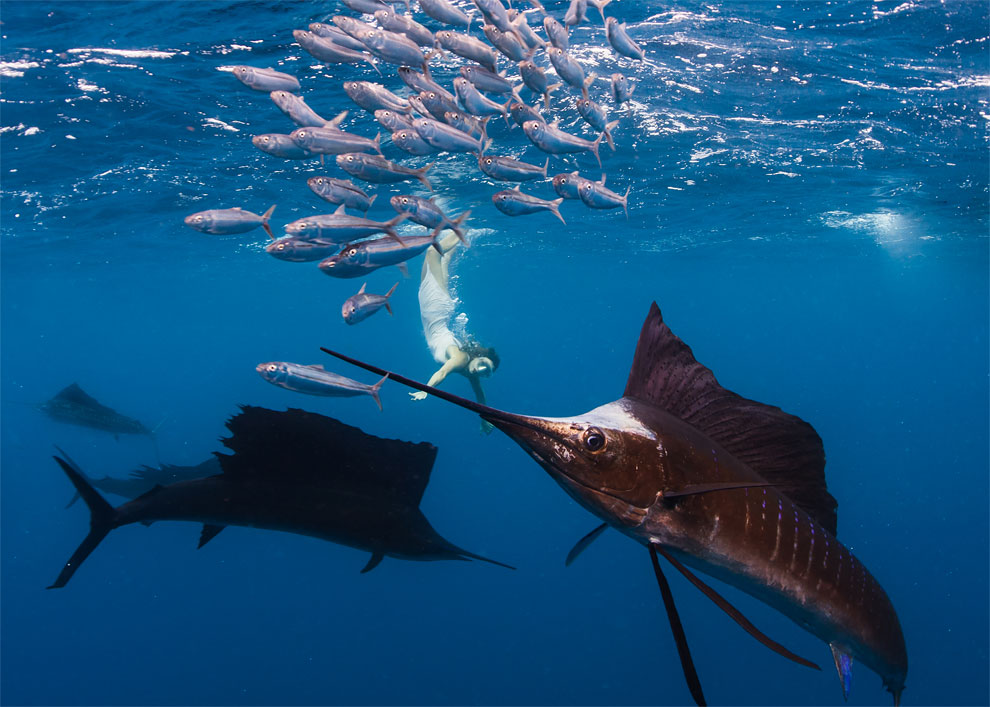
{"type": "Point", "coordinates": [328, 51]}
{"type": "Point", "coordinates": [402, 24]}
{"type": "Point", "coordinates": [341, 227]}
{"type": "Point", "coordinates": [366, 7]}
{"type": "Point", "coordinates": [486, 80]}
{"type": "Point", "coordinates": [575, 12]}
{"type": "Point", "coordinates": [331, 141]}
{"type": "Point", "coordinates": [521, 27]}
{"type": "Point", "coordinates": [556, 32]}
{"type": "Point", "coordinates": [465, 123]}
{"type": "Point", "coordinates": [597, 196]}
{"type": "Point", "coordinates": [494, 13]}
{"type": "Point", "coordinates": [621, 90]}
{"type": "Point", "coordinates": [316, 380]}
{"type": "Point", "coordinates": [372, 168]}
{"type": "Point", "coordinates": [353, 27]}
{"type": "Point", "coordinates": [471, 100]}
{"type": "Point", "coordinates": [436, 104]}
{"type": "Point", "coordinates": [359, 259]}
{"type": "Point", "coordinates": [513, 202]}
{"type": "Point", "coordinates": [468, 47]}
{"type": "Point", "coordinates": [426, 213]}
{"type": "Point", "coordinates": [336, 35]}
{"type": "Point", "coordinates": [301, 250]}
{"type": "Point", "coordinates": [300, 113]}
{"type": "Point", "coordinates": [393, 48]}
{"type": "Point", "coordinates": [569, 70]}
{"type": "Point", "coordinates": [554, 141]}
{"type": "Point", "coordinates": [359, 307]}
{"type": "Point", "coordinates": [620, 41]}
{"type": "Point", "coordinates": [392, 121]}
{"type": "Point", "coordinates": [508, 169]}
{"type": "Point", "coordinates": [536, 80]}
{"type": "Point", "coordinates": [419, 82]}
{"type": "Point", "coordinates": [374, 96]}
{"type": "Point", "coordinates": [521, 113]}
{"type": "Point", "coordinates": [596, 117]}
{"type": "Point", "coordinates": [408, 140]}
{"type": "Point", "coordinates": [341, 191]}
{"type": "Point", "coordinates": [266, 80]}
{"type": "Point", "coordinates": [281, 146]}
{"type": "Point", "coordinates": [447, 138]}
{"type": "Point", "coordinates": [568, 184]}
{"type": "Point", "coordinates": [443, 11]}
{"type": "Point", "coordinates": [227, 221]}
{"type": "Point", "coordinates": [507, 42]}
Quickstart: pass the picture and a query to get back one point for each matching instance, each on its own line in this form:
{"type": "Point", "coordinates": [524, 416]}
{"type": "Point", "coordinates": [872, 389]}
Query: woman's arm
{"type": "Point", "coordinates": [456, 359]}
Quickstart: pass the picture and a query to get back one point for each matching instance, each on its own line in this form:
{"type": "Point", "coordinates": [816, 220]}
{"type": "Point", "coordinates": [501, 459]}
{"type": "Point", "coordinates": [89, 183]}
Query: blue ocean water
{"type": "Point", "coordinates": [809, 207]}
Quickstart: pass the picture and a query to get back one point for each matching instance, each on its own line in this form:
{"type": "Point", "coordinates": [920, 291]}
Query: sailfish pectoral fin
{"type": "Point", "coordinates": [582, 544]}
{"type": "Point", "coordinates": [687, 664]}
{"type": "Point", "coordinates": [843, 665]}
{"type": "Point", "coordinates": [733, 613]}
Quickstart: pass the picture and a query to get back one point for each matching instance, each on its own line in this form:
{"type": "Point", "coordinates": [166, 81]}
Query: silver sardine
{"type": "Point", "coordinates": [443, 11]}
{"type": "Point", "coordinates": [567, 184]}
{"type": "Point", "coordinates": [301, 250]}
{"type": "Point", "coordinates": [393, 48]}
{"type": "Point", "coordinates": [507, 42]}
{"type": "Point", "coordinates": [227, 221]}
{"type": "Point", "coordinates": [445, 137]}
{"type": "Point", "coordinates": [468, 47]}
{"type": "Point", "coordinates": [353, 27]}
{"type": "Point", "coordinates": [621, 90]}
{"type": "Point", "coordinates": [408, 140]}
{"type": "Point", "coordinates": [359, 259]}
{"type": "Point", "coordinates": [525, 32]}
{"type": "Point", "coordinates": [513, 202]}
{"type": "Point", "coordinates": [419, 82]}
{"type": "Point", "coordinates": [521, 113]}
{"type": "Point", "coordinates": [341, 227]}
{"type": "Point", "coordinates": [329, 52]}
{"type": "Point", "coordinates": [374, 96]}
{"type": "Point", "coordinates": [471, 100]}
{"type": "Point", "coordinates": [554, 141]}
{"type": "Point", "coordinates": [436, 104]}
{"type": "Point", "coordinates": [336, 35]}
{"type": "Point", "coordinates": [372, 168]}
{"type": "Point", "coordinates": [266, 80]}
{"type": "Point", "coordinates": [331, 141]}
{"type": "Point", "coordinates": [508, 169]}
{"type": "Point", "coordinates": [392, 121]}
{"type": "Point", "coordinates": [465, 123]}
{"type": "Point", "coordinates": [486, 80]}
{"type": "Point", "coordinates": [597, 196]}
{"type": "Point", "coordinates": [556, 32]}
{"type": "Point", "coordinates": [401, 24]}
{"type": "Point", "coordinates": [300, 113]}
{"type": "Point", "coordinates": [536, 80]}
{"type": "Point", "coordinates": [569, 70]}
{"type": "Point", "coordinates": [359, 307]}
{"type": "Point", "coordinates": [341, 191]}
{"type": "Point", "coordinates": [316, 380]}
{"type": "Point", "coordinates": [595, 116]}
{"type": "Point", "coordinates": [281, 146]}
{"type": "Point", "coordinates": [620, 41]}
{"type": "Point", "coordinates": [494, 12]}
{"type": "Point", "coordinates": [426, 213]}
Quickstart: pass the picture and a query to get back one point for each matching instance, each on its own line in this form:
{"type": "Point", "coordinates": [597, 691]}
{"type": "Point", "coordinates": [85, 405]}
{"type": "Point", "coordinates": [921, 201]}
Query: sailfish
{"type": "Point", "coordinates": [717, 483]}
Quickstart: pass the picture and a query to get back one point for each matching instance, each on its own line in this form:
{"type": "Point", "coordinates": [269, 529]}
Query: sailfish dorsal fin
{"type": "Point", "coordinates": [782, 448]}
{"type": "Point", "coordinates": [74, 394]}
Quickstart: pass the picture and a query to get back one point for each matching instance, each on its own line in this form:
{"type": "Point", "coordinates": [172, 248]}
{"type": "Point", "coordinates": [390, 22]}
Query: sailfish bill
{"type": "Point", "coordinates": [718, 483]}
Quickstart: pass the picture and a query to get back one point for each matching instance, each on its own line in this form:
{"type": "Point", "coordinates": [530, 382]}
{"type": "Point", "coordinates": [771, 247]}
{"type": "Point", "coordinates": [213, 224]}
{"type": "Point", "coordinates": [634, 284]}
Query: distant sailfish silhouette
{"type": "Point", "coordinates": [144, 479]}
{"type": "Point", "coordinates": [297, 472]}
{"type": "Point", "coordinates": [74, 406]}
{"type": "Point", "coordinates": [726, 485]}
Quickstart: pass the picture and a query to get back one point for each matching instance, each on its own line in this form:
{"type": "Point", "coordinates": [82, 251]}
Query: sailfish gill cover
{"type": "Point", "coordinates": [808, 204]}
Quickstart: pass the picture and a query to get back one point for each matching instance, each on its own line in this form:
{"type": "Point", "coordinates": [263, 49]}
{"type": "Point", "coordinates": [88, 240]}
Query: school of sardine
{"type": "Point", "coordinates": [507, 59]}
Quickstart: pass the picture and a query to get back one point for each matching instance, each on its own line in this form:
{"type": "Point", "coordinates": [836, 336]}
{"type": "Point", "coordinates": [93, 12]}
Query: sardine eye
{"type": "Point", "coordinates": [594, 439]}
{"type": "Point", "coordinates": [272, 368]}
{"type": "Point", "coordinates": [405, 200]}
{"type": "Point", "coordinates": [350, 158]}
{"type": "Point", "coordinates": [352, 252]}
{"type": "Point", "coordinates": [280, 246]}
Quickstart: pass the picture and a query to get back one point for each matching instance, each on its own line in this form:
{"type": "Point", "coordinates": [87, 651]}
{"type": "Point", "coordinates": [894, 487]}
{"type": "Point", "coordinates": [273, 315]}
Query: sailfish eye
{"type": "Point", "coordinates": [594, 439]}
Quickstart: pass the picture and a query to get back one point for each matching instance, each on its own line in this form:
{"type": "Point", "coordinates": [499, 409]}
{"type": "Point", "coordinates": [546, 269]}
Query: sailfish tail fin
{"type": "Point", "coordinates": [102, 519]}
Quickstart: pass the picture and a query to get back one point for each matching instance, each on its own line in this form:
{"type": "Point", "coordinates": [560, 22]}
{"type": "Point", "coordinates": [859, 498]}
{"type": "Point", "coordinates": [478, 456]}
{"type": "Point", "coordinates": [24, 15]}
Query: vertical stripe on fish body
{"type": "Point", "coordinates": [401, 24]}
{"type": "Point", "coordinates": [280, 145]}
{"type": "Point", "coordinates": [568, 184]}
{"type": "Point", "coordinates": [507, 42]}
{"type": "Point", "coordinates": [536, 80]}
{"type": "Point", "coordinates": [443, 11]}
{"type": "Point", "coordinates": [597, 196]}
{"type": "Point", "coordinates": [372, 168]}
{"type": "Point", "coordinates": [471, 100]}
{"type": "Point", "coordinates": [227, 221]}
{"type": "Point", "coordinates": [374, 96]}
{"type": "Point", "coordinates": [341, 191]}
{"type": "Point", "coordinates": [267, 80]}
{"type": "Point", "coordinates": [359, 307]}
{"type": "Point", "coordinates": [514, 202]}
{"type": "Point", "coordinates": [315, 380]}
{"type": "Point", "coordinates": [508, 169]}
{"type": "Point", "coordinates": [301, 250]}
{"type": "Point", "coordinates": [419, 82]}
{"type": "Point", "coordinates": [408, 140]}
{"type": "Point", "coordinates": [620, 41]}
{"type": "Point", "coordinates": [621, 90]}
{"type": "Point", "coordinates": [468, 47]}
{"type": "Point", "coordinates": [555, 142]}
{"type": "Point", "coordinates": [445, 137]}
{"type": "Point", "coordinates": [331, 141]}
{"type": "Point", "coordinates": [570, 70]}
{"type": "Point", "coordinates": [336, 35]}
{"type": "Point", "coordinates": [328, 52]}
{"type": "Point", "coordinates": [556, 32]}
{"type": "Point", "coordinates": [359, 259]}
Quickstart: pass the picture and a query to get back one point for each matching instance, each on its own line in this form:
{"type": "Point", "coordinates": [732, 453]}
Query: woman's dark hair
{"type": "Point", "coordinates": [473, 349]}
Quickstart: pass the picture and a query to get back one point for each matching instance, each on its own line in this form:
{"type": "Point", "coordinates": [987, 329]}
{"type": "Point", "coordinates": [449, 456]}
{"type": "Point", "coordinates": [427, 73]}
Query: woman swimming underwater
{"type": "Point", "coordinates": [436, 308]}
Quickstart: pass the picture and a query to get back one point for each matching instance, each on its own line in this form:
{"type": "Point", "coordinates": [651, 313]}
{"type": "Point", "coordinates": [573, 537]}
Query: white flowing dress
{"type": "Point", "coordinates": [436, 309]}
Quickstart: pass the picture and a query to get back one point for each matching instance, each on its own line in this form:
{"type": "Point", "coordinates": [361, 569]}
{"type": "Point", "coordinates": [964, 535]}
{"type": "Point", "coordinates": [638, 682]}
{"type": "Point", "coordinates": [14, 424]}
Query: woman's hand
{"type": "Point", "coordinates": [418, 395]}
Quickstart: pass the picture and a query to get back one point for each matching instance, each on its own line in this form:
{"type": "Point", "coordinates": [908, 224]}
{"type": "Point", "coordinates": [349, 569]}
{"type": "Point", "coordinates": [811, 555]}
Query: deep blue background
{"type": "Point", "coordinates": [809, 209]}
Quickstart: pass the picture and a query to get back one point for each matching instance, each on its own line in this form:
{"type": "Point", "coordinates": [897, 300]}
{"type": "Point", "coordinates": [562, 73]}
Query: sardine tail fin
{"type": "Point", "coordinates": [101, 521]}
{"type": "Point", "coordinates": [265, 217]}
{"type": "Point", "coordinates": [378, 143]}
{"type": "Point", "coordinates": [421, 175]}
{"type": "Point", "coordinates": [456, 224]}
{"type": "Point", "coordinates": [555, 207]}
{"type": "Point", "coordinates": [372, 200]}
{"type": "Point", "coordinates": [625, 201]}
{"type": "Point", "coordinates": [389, 294]}
{"type": "Point", "coordinates": [374, 391]}
{"type": "Point", "coordinates": [680, 638]}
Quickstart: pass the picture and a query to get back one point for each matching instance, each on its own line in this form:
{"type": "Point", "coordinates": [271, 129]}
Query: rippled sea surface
{"type": "Point", "coordinates": [808, 206]}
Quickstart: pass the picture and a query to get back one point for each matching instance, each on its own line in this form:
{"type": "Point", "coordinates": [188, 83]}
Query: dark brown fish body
{"type": "Point", "coordinates": [146, 478]}
{"type": "Point", "coordinates": [754, 538]}
{"type": "Point", "coordinates": [717, 482]}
